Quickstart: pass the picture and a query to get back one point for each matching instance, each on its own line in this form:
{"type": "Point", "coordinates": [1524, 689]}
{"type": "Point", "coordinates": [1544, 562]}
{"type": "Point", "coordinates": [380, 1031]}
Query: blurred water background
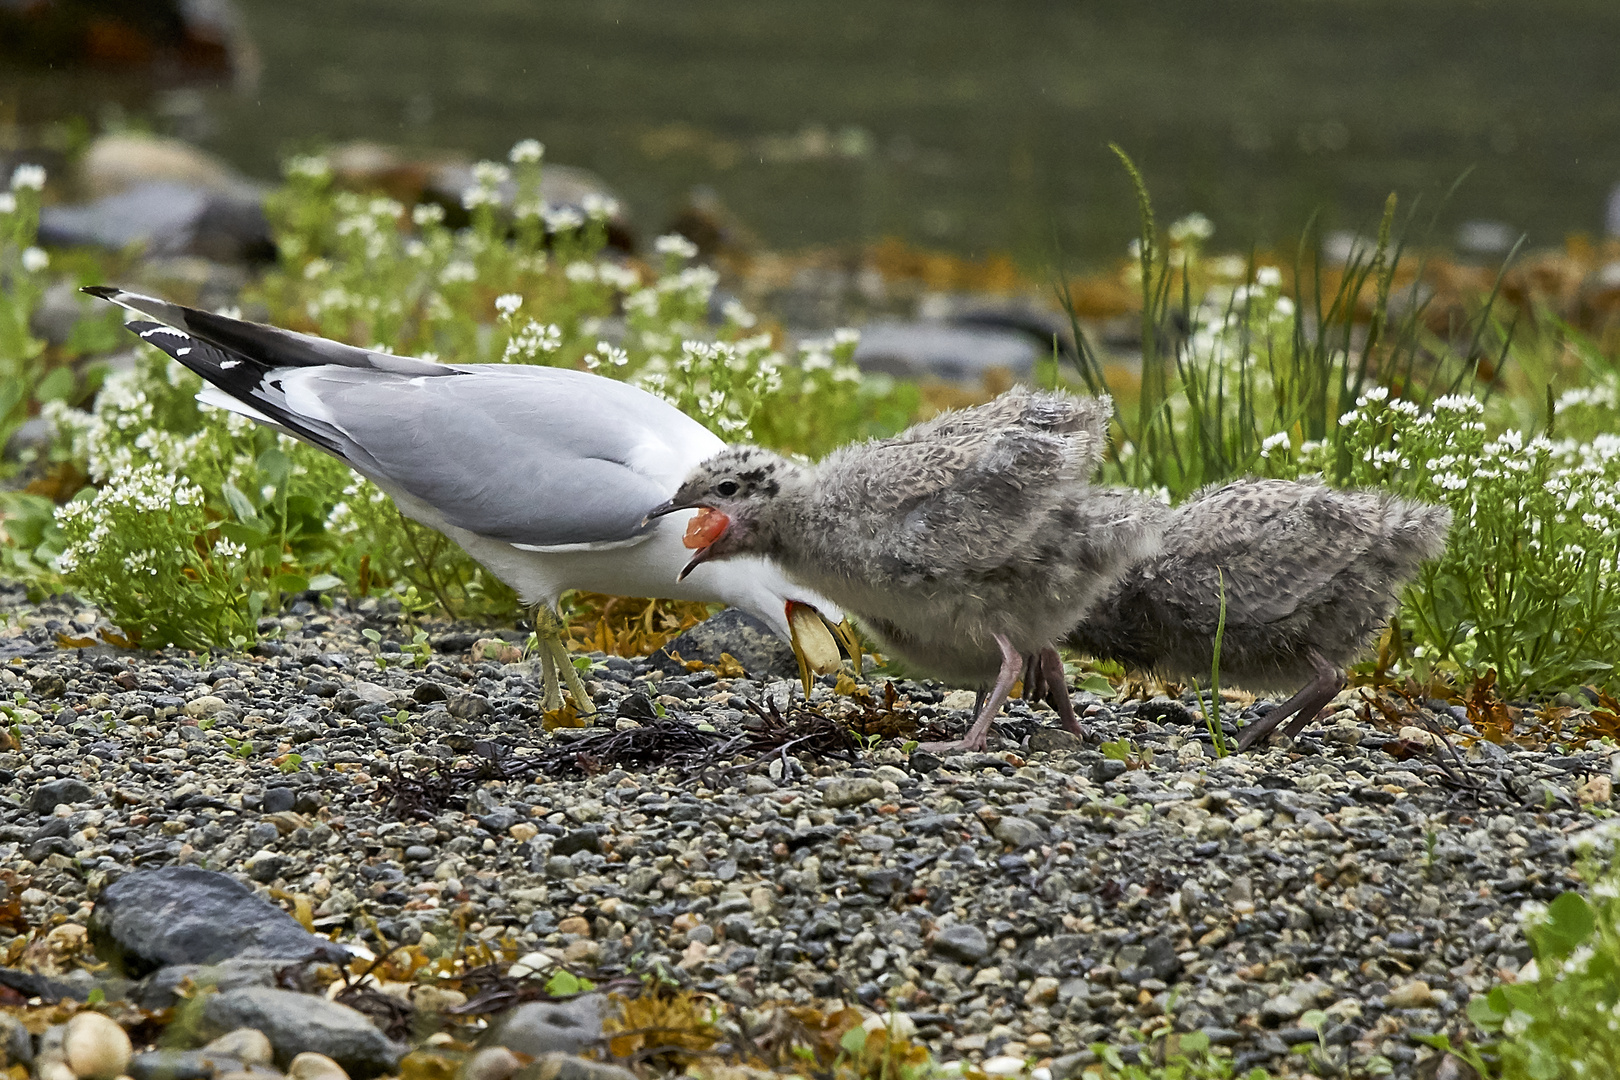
{"type": "Point", "coordinates": [952, 124]}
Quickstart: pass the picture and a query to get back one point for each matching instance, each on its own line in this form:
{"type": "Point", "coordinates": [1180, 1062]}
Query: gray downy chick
{"type": "Point", "coordinates": [1309, 574]}
{"type": "Point", "coordinates": [964, 543]}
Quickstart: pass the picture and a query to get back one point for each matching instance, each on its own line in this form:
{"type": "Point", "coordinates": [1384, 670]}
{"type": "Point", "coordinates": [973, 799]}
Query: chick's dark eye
{"type": "Point", "coordinates": [726, 488]}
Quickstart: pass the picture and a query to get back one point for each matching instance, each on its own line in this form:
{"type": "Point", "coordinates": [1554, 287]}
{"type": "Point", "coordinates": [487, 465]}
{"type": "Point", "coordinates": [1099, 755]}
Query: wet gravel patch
{"type": "Point", "coordinates": [1023, 903]}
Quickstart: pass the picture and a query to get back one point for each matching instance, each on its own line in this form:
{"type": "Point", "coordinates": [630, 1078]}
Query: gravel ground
{"type": "Point", "coordinates": [1024, 903]}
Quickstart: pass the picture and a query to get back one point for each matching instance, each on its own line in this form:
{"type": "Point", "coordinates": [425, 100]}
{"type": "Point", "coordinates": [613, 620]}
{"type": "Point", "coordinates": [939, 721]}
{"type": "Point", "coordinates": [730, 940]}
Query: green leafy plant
{"type": "Point", "coordinates": [1342, 377]}
{"type": "Point", "coordinates": [21, 267]}
{"type": "Point", "coordinates": [1561, 1017]}
{"type": "Point", "coordinates": [1189, 1058]}
{"type": "Point", "coordinates": [1530, 583]}
{"type": "Point", "coordinates": [254, 517]}
{"type": "Point", "coordinates": [567, 984]}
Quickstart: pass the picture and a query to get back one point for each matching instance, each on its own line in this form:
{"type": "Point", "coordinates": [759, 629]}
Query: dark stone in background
{"type": "Point", "coordinates": [750, 642]}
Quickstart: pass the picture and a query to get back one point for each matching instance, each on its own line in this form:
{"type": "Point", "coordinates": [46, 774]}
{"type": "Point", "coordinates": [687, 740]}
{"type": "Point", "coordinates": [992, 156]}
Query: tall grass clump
{"type": "Point", "coordinates": [1339, 372]}
{"type": "Point", "coordinates": [264, 516]}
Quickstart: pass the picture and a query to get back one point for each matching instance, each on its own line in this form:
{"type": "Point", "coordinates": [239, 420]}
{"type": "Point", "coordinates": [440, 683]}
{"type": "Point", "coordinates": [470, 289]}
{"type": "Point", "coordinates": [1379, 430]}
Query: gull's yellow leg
{"type": "Point", "coordinates": [555, 661]}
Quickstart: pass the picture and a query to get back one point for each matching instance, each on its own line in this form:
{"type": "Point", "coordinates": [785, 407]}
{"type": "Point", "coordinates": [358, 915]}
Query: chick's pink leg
{"type": "Point", "coordinates": [1012, 665]}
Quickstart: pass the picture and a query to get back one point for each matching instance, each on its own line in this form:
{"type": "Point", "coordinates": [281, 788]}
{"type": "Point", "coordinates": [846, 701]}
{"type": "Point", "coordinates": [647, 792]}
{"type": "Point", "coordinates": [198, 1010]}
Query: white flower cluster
{"type": "Point", "coordinates": [307, 167]}
{"type": "Point", "coordinates": [1194, 228]}
{"type": "Point", "coordinates": [526, 151]}
{"type": "Point", "coordinates": [532, 341]}
{"type": "Point", "coordinates": [143, 489]}
{"type": "Point", "coordinates": [676, 245]}
{"type": "Point", "coordinates": [488, 179]}
{"type": "Point", "coordinates": [28, 178]}
{"type": "Point", "coordinates": [606, 353]}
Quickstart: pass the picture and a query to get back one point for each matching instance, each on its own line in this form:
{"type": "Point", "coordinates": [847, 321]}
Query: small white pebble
{"type": "Point", "coordinates": [95, 1047]}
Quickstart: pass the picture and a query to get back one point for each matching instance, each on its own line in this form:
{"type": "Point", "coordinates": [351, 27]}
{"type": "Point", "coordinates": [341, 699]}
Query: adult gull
{"type": "Point", "coordinates": [544, 475]}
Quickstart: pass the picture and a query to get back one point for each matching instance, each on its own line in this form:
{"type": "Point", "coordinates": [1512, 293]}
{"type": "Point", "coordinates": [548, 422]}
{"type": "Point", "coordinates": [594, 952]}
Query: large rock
{"type": "Point", "coordinates": [965, 355]}
{"type": "Point", "coordinates": [48, 796]}
{"type": "Point", "coordinates": [188, 915]}
{"type": "Point", "coordinates": [168, 986]}
{"type": "Point", "coordinates": [568, 1067]}
{"type": "Point", "coordinates": [166, 217]}
{"type": "Point", "coordinates": [962, 942]}
{"type": "Point", "coordinates": [115, 163]}
{"type": "Point", "coordinates": [295, 1023]}
{"type": "Point", "coordinates": [749, 641]}
{"type": "Point", "coordinates": [545, 1027]}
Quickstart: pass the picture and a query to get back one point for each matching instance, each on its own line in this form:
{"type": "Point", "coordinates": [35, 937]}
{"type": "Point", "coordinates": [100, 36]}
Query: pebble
{"type": "Point", "coordinates": [95, 1047]}
{"type": "Point", "coordinates": [312, 1066]}
{"type": "Point", "coordinates": [247, 1045]}
{"type": "Point", "coordinates": [1022, 904]}
{"type": "Point", "coordinates": [852, 792]}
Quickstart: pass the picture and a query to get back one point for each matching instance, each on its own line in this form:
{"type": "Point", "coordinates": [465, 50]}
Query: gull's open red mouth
{"type": "Point", "coordinates": [705, 528]}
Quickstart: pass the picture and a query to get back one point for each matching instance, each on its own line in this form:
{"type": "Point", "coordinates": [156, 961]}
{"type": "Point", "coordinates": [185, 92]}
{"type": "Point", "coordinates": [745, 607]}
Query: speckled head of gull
{"type": "Point", "coordinates": [544, 475]}
{"type": "Point", "coordinates": [965, 543]}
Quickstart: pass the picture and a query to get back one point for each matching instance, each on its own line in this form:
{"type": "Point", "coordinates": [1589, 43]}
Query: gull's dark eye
{"type": "Point", "coordinates": [727, 488]}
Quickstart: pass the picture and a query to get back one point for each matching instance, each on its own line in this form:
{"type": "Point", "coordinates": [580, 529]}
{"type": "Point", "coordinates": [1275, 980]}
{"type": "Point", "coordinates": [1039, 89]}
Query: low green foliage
{"type": "Point", "coordinates": [1530, 582]}
{"type": "Point", "coordinates": [1327, 380]}
{"type": "Point", "coordinates": [198, 522]}
{"type": "Point", "coordinates": [21, 269]}
{"type": "Point", "coordinates": [1561, 1018]}
{"type": "Point", "coordinates": [1191, 1059]}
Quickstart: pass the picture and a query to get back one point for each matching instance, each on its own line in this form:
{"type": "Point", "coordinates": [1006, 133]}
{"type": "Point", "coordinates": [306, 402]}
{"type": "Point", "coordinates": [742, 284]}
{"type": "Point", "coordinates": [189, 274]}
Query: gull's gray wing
{"type": "Point", "coordinates": [541, 457]}
{"type": "Point", "coordinates": [534, 456]}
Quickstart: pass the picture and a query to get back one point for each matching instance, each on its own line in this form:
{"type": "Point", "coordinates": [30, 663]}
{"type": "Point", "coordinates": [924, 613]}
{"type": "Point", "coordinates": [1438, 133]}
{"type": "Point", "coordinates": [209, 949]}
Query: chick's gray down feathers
{"type": "Point", "coordinates": [978, 523]}
{"type": "Point", "coordinates": [1309, 574]}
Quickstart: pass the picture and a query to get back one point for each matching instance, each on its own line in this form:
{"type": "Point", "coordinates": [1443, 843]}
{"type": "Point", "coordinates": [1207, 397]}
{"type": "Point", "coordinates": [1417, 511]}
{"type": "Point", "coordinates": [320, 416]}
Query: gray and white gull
{"type": "Point", "coordinates": [544, 475]}
{"type": "Point", "coordinates": [964, 543]}
{"type": "Point", "coordinates": [1307, 574]}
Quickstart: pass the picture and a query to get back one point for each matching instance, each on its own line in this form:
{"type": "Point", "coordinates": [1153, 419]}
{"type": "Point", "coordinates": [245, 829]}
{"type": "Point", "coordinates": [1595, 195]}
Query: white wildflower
{"type": "Point", "coordinates": [1273, 442]}
{"type": "Point", "coordinates": [507, 303]}
{"type": "Point", "coordinates": [526, 151]}
{"type": "Point", "coordinates": [622, 278]}
{"type": "Point", "coordinates": [491, 174]}
{"type": "Point", "coordinates": [308, 167]}
{"type": "Point", "coordinates": [561, 218]}
{"type": "Point", "coordinates": [427, 214]}
{"type": "Point", "coordinates": [28, 177]}
{"type": "Point", "coordinates": [531, 341]}
{"type": "Point", "coordinates": [34, 260]}
{"type": "Point", "coordinates": [1194, 227]}
{"type": "Point", "coordinates": [675, 244]}
{"type": "Point", "coordinates": [225, 549]}
{"type": "Point", "coordinates": [1268, 277]}
{"type": "Point", "coordinates": [8, 203]}
{"type": "Point", "coordinates": [737, 314]}
{"type": "Point", "coordinates": [598, 207]}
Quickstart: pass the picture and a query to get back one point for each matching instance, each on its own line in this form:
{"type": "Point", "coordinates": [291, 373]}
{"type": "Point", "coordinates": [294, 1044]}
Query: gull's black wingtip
{"type": "Point", "coordinates": [104, 292]}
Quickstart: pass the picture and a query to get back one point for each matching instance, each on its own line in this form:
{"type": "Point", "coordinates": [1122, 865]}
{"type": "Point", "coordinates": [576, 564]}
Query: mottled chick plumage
{"type": "Point", "coordinates": [963, 536]}
{"type": "Point", "coordinates": [1309, 574]}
